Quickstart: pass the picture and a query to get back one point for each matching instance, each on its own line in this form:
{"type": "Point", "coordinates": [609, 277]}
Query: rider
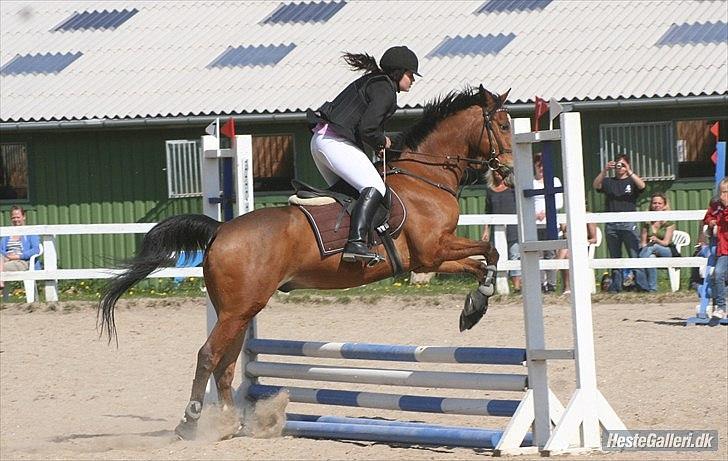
{"type": "Point", "coordinates": [354, 118]}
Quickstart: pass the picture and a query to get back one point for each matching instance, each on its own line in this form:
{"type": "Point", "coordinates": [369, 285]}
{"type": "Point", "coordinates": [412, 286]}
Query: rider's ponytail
{"type": "Point", "coordinates": [362, 61]}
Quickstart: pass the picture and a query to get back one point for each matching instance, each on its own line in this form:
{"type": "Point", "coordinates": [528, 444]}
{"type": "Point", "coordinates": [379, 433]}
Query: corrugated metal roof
{"type": "Point", "coordinates": [157, 63]}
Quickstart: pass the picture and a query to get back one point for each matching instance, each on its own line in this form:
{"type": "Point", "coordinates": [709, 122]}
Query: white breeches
{"type": "Point", "coordinates": [338, 158]}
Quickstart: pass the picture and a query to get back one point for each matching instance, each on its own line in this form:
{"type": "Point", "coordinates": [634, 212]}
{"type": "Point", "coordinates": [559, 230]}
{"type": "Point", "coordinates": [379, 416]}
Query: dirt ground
{"type": "Point", "coordinates": [66, 394]}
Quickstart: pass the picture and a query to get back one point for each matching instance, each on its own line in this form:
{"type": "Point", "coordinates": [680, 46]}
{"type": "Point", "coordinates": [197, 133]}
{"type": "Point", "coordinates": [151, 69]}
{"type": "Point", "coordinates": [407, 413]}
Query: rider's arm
{"type": "Point", "coordinates": [381, 97]}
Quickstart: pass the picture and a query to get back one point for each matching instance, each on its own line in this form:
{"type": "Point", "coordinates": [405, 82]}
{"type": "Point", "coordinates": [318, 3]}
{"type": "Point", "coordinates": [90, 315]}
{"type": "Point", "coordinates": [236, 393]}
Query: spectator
{"type": "Point", "coordinates": [655, 241]}
{"type": "Point", "coordinates": [16, 250]}
{"type": "Point", "coordinates": [548, 277]}
{"type": "Point", "coordinates": [501, 199]}
{"type": "Point", "coordinates": [716, 218]}
{"type": "Point", "coordinates": [591, 237]}
{"type": "Point", "coordinates": [621, 193]}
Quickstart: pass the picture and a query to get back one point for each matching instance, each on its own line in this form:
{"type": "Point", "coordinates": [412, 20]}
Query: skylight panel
{"type": "Point", "coordinates": [469, 45]}
{"type": "Point", "coordinates": [499, 6]}
{"type": "Point", "coordinates": [94, 20]}
{"type": "Point", "coordinates": [39, 63]}
{"type": "Point", "coordinates": [262, 55]}
{"type": "Point", "coordinates": [304, 12]}
{"type": "Point", "coordinates": [691, 34]}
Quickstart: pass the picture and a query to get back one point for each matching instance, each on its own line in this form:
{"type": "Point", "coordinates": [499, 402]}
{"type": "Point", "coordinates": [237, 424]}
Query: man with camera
{"type": "Point", "coordinates": [621, 192]}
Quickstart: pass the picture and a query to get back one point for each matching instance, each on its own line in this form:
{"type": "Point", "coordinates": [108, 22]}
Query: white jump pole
{"type": "Point", "coordinates": [577, 427]}
{"type": "Point", "coordinates": [241, 154]}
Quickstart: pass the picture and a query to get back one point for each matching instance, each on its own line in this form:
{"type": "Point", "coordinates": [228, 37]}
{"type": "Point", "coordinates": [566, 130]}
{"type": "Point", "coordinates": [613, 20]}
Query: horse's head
{"type": "Point", "coordinates": [494, 145]}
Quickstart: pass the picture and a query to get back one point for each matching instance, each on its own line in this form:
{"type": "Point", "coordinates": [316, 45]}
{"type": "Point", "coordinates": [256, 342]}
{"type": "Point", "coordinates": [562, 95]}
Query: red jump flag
{"type": "Point", "coordinates": [228, 129]}
{"type": "Point", "coordinates": [541, 108]}
{"type": "Point", "coordinates": [714, 130]}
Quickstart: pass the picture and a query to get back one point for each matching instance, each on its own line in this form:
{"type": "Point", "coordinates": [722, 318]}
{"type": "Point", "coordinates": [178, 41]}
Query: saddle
{"type": "Point", "coordinates": [328, 212]}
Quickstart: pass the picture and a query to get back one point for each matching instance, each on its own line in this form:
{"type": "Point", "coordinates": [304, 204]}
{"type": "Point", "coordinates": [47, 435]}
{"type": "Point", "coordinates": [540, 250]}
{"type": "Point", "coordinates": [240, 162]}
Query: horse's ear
{"type": "Point", "coordinates": [504, 96]}
{"type": "Point", "coordinates": [487, 95]}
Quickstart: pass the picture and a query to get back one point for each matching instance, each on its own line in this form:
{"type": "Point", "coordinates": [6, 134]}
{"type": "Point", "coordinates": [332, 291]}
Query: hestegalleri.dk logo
{"type": "Point", "coordinates": [662, 440]}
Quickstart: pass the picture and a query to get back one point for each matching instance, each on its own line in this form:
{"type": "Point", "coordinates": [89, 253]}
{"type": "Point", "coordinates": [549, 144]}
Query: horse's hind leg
{"type": "Point", "coordinates": [224, 374]}
{"type": "Point", "coordinates": [223, 341]}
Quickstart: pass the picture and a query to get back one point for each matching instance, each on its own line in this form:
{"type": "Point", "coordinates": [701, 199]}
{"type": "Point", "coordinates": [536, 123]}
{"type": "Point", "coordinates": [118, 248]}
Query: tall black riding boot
{"type": "Point", "coordinates": [361, 221]}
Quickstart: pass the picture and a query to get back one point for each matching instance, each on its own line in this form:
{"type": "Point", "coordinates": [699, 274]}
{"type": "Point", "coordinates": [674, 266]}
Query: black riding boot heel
{"type": "Point", "coordinates": [356, 248]}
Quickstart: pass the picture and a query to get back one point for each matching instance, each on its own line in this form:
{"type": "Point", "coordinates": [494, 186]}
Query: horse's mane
{"type": "Point", "coordinates": [437, 110]}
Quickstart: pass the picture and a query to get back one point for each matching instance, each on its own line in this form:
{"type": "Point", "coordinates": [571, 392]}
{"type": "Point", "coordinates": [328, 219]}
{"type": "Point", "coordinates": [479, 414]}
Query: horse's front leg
{"type": "Point", "coordinates": [455, 253]}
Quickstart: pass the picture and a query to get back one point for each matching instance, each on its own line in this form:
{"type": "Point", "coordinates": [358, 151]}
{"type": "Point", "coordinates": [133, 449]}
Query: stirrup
{"type": "Point", "coordinates": [358, 251]}
{"type": "Point", "coordinates": [370, 259]}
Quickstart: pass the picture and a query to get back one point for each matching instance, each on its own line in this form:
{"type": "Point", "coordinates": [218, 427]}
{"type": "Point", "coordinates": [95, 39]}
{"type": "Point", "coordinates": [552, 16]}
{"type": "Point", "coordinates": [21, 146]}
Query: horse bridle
{"type": "Point", "coordinates": [492, 162]}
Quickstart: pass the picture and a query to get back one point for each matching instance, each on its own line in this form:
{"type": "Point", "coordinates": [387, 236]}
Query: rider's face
{"type": "Point", "coordinates": [405, 83]}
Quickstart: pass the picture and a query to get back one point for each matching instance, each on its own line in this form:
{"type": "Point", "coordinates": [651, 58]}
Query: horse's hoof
{"type": "Point", "coordinates": [186, 429]}
{"type": "Point", "coordinates": [476, 304]}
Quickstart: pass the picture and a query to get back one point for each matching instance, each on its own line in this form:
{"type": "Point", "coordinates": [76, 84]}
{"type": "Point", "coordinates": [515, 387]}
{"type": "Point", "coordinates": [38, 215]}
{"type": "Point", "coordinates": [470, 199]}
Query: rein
{"type": "Point", "coordinates": [446, 188]}
{"type": "Point", "coordinates": [492, 162]}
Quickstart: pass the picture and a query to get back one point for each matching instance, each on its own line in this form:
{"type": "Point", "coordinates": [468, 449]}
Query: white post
{"type": "Point", "coordinates": [531, 285]}
{"type": "Point", "coordinates": [577, 428]}
{"type": "Point", "coordinates": [588, 409]}
{"type": "Point", "coordinates": [242, 155]}
{"type": "Point", "coordinates": [50, 262]}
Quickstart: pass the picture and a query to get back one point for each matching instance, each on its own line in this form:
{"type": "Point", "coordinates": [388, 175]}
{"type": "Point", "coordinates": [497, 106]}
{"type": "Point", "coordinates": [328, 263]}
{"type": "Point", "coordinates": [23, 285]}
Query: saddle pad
{"type": "Point", "coordinates": [331, 240]}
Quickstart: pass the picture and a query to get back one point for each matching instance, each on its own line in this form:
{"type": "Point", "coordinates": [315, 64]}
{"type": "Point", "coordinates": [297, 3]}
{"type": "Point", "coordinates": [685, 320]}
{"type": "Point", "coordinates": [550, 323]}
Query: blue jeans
{"type": "Point", "coordinates": [514, 254]}
{"type": "Point", "coordinates": [719, 278]}
{"type": "Point", "coordinates": [616, 234]}
{"type": "Point", "coordinates": [647, 278]}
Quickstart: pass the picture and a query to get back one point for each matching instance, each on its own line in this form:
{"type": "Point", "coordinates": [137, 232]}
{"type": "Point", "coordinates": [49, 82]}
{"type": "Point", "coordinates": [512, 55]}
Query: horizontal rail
{"type": "Point", "coordinates": [422, 404]}
{"type": "Point", "coordinates": [378, 430]}
{"type": "Point", "coordinates": [75, 274]}
{"type": "Point", "coordinates": [389, 377]}
{"type": "Point", "coordinates": [389, 352]}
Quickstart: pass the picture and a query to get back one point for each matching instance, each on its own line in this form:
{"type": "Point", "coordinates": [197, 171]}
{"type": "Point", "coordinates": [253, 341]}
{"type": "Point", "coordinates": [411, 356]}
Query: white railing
{"type": "Point", "coordinates": [51, 273]}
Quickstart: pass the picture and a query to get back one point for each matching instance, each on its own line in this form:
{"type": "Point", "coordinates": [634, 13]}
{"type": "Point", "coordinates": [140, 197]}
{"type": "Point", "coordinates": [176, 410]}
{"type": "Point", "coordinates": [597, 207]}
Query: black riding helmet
{"type": "Point", "coordinates": [399, 57]}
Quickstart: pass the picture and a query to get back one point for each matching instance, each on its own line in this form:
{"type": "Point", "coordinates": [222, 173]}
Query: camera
{"type": "Point", "coordinates": [619, 165]}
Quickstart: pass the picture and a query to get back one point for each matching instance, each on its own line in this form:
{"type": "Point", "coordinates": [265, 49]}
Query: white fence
{"type": "Point", "coordinates": [51, 273]}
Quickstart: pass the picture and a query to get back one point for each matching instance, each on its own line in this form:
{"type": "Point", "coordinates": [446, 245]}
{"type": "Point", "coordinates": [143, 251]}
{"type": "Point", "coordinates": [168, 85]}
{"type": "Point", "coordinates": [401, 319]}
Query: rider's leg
{"type": "Point", "coordinates": [337, 157]}
{"type": "Point", "coordinates": [361, 221]}
{"type": "Point", "coordinates": [340, 158]}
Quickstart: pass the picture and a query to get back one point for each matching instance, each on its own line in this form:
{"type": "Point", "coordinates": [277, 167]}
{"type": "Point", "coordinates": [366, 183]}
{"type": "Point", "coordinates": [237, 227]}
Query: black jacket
{"type": "Point", "coordinates": [358, 113]}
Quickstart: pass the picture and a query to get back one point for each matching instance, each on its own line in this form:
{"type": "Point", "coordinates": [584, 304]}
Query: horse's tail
{"type": "Point", "coordinates": [172, 235]}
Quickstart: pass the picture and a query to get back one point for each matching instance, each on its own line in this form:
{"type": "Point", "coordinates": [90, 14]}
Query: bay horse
{"type": "Point", "coordinates": [251, 257]}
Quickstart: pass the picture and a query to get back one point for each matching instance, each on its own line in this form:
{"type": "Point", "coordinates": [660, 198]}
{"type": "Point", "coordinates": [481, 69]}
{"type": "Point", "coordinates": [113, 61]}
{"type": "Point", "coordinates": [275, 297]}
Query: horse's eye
{"type": "Point", "coordinates": [505, 127]}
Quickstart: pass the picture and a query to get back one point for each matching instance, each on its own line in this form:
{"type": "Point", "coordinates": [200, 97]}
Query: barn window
{"type": "Point", "coordinates": [696, 144]}
{"type": "Point", "coordinates": [13, 172]}
{"type": "Point", "coordinates": [273, 165]}
{"type": "Point", "coordinates": [649, 146]}
{"type": "Point", "coordinates": [183, 169]}
{"type": "Point", "coordinates": [662, 151]}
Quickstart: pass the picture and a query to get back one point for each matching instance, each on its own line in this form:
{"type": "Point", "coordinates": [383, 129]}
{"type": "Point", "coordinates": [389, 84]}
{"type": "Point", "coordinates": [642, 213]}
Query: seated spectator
{"type": "Point", "coordinates": [655, 241]}
{"type": "Point", "coordinates": [16, 250]}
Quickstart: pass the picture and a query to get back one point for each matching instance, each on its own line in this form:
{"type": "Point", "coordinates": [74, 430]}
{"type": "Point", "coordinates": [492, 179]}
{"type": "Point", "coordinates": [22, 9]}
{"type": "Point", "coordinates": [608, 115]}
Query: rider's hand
{"type": "Point", "coordinates": [387, 142]}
